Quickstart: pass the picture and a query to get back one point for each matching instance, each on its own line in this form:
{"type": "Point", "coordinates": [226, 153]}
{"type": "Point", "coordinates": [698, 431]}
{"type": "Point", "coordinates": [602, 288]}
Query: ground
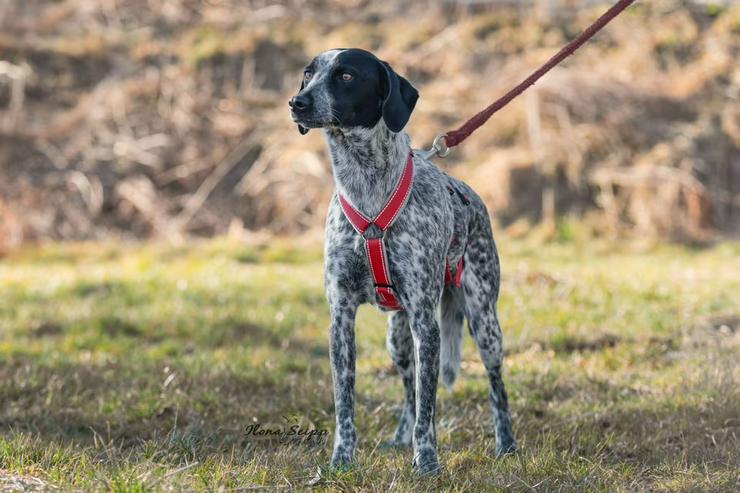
{"type": "Point", "coordinates": [138, 368]}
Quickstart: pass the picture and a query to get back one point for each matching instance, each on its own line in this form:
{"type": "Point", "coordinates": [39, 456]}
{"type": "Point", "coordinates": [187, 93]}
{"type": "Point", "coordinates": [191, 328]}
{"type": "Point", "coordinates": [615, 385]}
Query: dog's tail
{"type": "Point", "coordinates": [450, 327]}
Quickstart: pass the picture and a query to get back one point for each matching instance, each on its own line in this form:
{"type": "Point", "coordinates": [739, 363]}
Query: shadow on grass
{"type": "Point", "coordinates": [612, 424]}
{"type": "Point", "coordinates": [180, 411]}
{"type": "Point", "coordinates": [192, 409]}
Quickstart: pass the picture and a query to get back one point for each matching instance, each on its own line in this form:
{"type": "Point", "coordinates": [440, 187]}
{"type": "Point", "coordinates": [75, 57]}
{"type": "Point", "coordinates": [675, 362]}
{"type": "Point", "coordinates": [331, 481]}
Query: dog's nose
{"type": "Point", "coordinates": [299, 103]}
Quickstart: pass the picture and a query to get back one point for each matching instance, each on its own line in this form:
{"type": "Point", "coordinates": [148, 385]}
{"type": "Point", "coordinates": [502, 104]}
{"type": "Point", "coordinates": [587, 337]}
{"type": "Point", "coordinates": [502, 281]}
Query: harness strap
{"type": "Point", "coordinates": [449, 278]}
{"type": "Point", "coordinates": [375, 237]}
{"type": "Point", "coordinates": [374, 243]}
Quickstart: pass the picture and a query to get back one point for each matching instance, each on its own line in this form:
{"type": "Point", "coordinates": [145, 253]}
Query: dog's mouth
{"type": "Point", "coordinates": [309, 123]}
{"type": "Point", "coordinates": [313, 122]}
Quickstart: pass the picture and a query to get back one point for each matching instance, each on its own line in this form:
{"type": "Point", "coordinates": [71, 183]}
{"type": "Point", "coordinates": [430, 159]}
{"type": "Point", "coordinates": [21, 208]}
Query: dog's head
{"type": "Point", "coordinates": [352, 88]}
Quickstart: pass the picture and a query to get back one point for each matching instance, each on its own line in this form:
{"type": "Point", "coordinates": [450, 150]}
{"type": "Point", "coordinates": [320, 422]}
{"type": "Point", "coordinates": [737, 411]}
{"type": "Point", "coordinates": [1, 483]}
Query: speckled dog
{"type": "Point", "coordinates": [363, 105]}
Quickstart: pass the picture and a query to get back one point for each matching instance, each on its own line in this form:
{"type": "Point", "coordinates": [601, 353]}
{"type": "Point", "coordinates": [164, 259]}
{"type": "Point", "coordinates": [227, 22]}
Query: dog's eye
{"type": "Point", "coordinates": [346, 76]}
{"type": "Point", "coordinates": [307, 75]}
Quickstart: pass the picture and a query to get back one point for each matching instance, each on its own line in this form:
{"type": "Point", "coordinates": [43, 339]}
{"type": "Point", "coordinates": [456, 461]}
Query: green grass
{"type": "Point", "coordinates": [137, 368]}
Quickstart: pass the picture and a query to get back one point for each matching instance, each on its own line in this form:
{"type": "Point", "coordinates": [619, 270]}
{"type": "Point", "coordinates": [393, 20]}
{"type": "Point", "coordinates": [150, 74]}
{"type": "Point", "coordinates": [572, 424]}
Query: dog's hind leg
{"type": "Point", "coordinates": [480, 281]}
{"type": "Point", "coordinates": [451, 334]}
{"type": "Point", "coordinates": [401, 346]}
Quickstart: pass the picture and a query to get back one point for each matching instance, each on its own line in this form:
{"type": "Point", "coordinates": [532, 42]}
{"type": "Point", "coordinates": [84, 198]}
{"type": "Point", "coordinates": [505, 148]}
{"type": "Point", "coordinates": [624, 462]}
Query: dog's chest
{"type": "Point", "coordinates": [363, 273]}
{"type": "Point", "coordinates": [407, 255]}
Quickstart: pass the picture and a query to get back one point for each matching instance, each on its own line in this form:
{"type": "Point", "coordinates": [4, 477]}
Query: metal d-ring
{"type": "Point", "coordinates": [439, 146]}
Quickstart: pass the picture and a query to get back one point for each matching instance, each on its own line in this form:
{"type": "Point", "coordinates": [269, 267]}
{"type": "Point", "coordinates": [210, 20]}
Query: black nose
{"type": "Point", "coordinates": [299, 103]}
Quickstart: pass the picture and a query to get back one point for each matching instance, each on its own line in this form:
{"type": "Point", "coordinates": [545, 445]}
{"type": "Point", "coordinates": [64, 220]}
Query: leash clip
{"type": "Point", "coordinates": [439, 146]}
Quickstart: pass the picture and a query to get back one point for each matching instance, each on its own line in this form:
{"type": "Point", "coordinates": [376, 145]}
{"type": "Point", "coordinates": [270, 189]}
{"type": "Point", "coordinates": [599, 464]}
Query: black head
{"type": "Point", "coordinates": [352, 88]}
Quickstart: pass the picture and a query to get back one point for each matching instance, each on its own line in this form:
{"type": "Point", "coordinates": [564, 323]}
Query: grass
{"type": "Point", "coordinates": [138, 368]}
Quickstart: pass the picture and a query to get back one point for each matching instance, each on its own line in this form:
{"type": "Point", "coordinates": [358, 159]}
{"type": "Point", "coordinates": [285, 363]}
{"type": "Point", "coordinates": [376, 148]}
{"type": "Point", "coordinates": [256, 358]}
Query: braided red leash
{"type": "Point", "coordinates": [453, 138]}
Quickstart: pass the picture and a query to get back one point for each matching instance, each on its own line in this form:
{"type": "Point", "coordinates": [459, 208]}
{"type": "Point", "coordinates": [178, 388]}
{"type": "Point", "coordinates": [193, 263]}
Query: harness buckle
{"type": "Point", "coordinates": [373, 232]}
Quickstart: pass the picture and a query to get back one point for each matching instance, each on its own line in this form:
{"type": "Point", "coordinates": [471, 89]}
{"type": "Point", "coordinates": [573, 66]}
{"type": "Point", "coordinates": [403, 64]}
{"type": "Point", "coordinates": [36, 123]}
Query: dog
{"type": "Point", "coordinates": [363, 105]}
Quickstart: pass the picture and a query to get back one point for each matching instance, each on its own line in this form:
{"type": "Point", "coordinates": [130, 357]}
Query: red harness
{"type": "Point", "coordinates": [374, 238]}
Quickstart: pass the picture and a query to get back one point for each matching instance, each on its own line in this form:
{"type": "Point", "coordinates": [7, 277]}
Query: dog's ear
{"type": "Point", "coordinates": [400, 99]}
{"type": "Point", "coordinates": [303, 130]}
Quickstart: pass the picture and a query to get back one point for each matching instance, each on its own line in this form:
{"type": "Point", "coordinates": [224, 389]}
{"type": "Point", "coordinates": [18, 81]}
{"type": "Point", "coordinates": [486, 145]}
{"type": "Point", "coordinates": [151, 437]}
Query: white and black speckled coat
{"type": "Point", "coordinates": [362, 106]}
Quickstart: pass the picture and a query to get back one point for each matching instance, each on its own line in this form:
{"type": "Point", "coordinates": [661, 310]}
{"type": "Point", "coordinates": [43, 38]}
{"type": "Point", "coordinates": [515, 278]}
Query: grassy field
{"type": "Point", "coordinates": [138, 368]}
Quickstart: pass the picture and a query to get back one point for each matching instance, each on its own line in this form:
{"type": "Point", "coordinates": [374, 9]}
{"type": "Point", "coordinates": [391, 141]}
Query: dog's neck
{"type": "Point", "coordinates": [367, 164]}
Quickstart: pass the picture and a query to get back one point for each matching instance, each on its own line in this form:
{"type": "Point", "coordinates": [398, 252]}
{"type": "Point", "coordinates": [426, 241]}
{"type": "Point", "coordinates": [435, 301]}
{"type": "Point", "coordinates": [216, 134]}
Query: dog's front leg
{"type": "Point", "coordinates": [342, 354]}
{"type": "Point", "coordinates": [425, 332]}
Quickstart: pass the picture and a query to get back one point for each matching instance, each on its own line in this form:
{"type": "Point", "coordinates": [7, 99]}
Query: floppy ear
{"type": "Point", "coordinates": [303, 130]}
{"type": "Point", "coordinates": [399, 102]}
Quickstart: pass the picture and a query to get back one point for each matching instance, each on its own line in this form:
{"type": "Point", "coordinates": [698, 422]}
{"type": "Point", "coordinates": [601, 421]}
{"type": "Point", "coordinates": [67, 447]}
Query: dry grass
{"type": "Point", "coordinates": [131, 368]}
{"type": "Point", "coordinates": [171, 120]}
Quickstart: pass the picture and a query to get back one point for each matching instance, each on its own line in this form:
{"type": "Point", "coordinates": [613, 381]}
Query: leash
{"type": "Point", "coordinates": [444, 142]}
{"type": "Point", "coordinates": [373, 230]}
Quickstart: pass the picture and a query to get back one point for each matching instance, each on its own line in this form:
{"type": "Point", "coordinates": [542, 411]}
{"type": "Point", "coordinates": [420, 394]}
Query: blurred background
{"type": "Point", "coordinates": [169, 118]}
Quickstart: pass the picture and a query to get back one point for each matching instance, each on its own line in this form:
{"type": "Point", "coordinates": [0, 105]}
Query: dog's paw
{"type": "Point", "coordinates": [426, 463]}
{"type": "Point", "coordinates": [341, 457]}
{"type": "Point", "coordinates": [507, 447]}
{"type": "Point", "coordinates": [341, 462]}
